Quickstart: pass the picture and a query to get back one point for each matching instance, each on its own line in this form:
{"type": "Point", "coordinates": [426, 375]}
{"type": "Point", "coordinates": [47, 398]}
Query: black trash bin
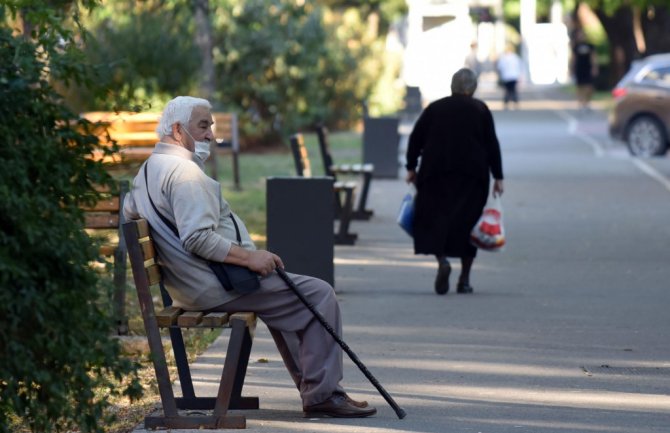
{"type": "Point", "coordinates": [380, 145]}
{"type": "Point", "coordinates": [300, 219]}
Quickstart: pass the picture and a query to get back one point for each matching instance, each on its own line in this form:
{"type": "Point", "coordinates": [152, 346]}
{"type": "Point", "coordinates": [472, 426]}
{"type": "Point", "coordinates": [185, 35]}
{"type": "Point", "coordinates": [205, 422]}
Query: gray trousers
{"type": "Point", "coordinates": [311, 355]}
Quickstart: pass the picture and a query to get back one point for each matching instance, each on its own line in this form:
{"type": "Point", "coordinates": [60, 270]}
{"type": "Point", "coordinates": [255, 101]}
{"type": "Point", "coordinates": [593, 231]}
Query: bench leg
{"type": "Point", "coordinates": [337, 201]}
{"type": "Point", "coordinates": [230, 383]}
{"type": "Point", "coordinates": [120, 290]}
{"type": "Point", "coordinates": [189, 401]}
{"type": "Point", "coordinates": [213, 163]}
{"type": "Point", "coordinates": [230, 388]}
{"type": "Point", "coordinates": [236, 171]}
{"type": "Point", "coordinates": [361, 213]}
{"type": "Point", "coordinates": [343, 237]}
{"type": "Point", "coordinates": [183, 370]}
{"type": "Point", "coordinates": [236, 399]}
{"type": "Point", "coordinates": [160, 367]}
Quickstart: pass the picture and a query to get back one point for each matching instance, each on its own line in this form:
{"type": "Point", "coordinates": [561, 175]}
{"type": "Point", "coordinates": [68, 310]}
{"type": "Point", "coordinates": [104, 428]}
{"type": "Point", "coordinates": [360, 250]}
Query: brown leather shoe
{"type": "Point", "coordinates": [350, 400]}
{"type": "Point", "coordinates": [337, 406]}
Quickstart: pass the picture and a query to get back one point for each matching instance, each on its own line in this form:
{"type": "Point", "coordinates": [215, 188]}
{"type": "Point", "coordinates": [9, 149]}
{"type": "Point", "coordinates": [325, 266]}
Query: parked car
{"type": "Point", "coordinates": [641, 115]}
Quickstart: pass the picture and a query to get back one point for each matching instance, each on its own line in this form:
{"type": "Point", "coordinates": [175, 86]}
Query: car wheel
{"type": "Point", "coordinates": [645, 137]}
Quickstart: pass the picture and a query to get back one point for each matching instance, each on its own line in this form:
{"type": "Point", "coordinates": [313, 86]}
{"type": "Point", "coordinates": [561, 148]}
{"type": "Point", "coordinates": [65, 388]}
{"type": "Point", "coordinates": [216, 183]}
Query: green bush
{"type": "Point", "coordinates": [268, 56]}
{"type": "Point", "coordinates": [282, 65]}
{"type": "Point", "coordinates": [58, 360]}
{"type": "Point", "coordinates": [145, 52]}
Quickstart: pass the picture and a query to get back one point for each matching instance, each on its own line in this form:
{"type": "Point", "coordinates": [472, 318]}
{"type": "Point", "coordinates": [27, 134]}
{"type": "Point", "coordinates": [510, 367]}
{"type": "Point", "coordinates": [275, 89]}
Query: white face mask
{"type": "Point", "coordinates": [202, 148]}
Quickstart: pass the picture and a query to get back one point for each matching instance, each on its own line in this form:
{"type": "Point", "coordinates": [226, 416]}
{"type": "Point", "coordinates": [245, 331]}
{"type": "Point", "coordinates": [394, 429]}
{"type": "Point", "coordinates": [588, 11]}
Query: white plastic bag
{"type": "Point", "coordinates": [489, 234]}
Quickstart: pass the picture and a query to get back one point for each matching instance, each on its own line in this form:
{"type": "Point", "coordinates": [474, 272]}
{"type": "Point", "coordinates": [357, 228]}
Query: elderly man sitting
{"type": "Point", "coordinates": [208, 229]}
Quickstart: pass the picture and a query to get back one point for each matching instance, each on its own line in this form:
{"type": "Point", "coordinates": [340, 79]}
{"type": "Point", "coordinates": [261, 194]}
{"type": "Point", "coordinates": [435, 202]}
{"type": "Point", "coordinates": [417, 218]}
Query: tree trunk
{"type": "Point", "coordinates": [203, 39]}
{"type": "Point", "coordinates": [620, 32]}
{"type": "Point", "coordinates": [27, 25]}
{"type": "Point", "coordinates": [656, 28]}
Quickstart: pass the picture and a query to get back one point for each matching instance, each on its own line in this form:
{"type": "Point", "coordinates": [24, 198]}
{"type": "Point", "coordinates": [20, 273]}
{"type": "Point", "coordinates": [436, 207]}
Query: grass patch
{"type": "Point", "coordinates": [249, 203]}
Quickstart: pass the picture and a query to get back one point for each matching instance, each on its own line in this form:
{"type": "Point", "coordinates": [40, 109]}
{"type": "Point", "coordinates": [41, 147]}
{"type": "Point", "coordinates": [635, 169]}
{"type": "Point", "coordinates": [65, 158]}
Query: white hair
{"type": "Point", "coordinates": [464, 82]}
{"type": "Point", "coordinates": [179, 110]}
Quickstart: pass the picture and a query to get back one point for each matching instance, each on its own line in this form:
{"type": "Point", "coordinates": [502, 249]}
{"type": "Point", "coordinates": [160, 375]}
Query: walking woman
{"type": "Point", "coordinates": [455, 143]}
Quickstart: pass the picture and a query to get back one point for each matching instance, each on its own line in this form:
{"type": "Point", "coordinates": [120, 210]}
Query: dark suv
{"type": "Point", "coordinates": [641, 115]}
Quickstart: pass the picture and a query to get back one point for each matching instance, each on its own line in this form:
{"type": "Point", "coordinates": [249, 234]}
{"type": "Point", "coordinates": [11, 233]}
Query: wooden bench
{"type": "Point", "coordinates": [363, 170]}
{"type": "Point", "coordinates": [343, 191]}
{"type": "Point", "coordinates": [227, 136]}
{"type": "Point", "coordinates": [107, 215]}
{"type": "Point", "coordinates": [135, 135]}
{"type": "Point", "coordinates": [147, 274]}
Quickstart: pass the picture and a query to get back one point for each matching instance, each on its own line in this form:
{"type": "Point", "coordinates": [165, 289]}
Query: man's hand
{"type": "Point", "coordinates": [263, 262]}
{"type": "Point", "coordinates": [260, 261]}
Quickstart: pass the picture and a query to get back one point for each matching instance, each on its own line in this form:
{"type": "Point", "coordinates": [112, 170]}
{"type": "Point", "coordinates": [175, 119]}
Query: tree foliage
{"type": "Point", "coordinates": [387, 10]}
{"type": "Point", "coordinates": [277, 66]}
{"type": "Point", "coordinates": [145, 52]}
{"type": "Point", "coordinates": [58, 360]}
{"type": "Point", "coordinates": [633, 29]}
{"type": "Point", "coordinates": [284, 68]}
{"type": "Point", "coordinates": [621, 18]}
{"type": "Point", "coordinates": [280, 64]}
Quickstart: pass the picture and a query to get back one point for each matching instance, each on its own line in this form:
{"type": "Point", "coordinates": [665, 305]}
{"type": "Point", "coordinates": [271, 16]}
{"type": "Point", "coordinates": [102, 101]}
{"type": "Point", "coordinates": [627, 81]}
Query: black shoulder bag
{"type": "Point", "coordinates": [232, 277]}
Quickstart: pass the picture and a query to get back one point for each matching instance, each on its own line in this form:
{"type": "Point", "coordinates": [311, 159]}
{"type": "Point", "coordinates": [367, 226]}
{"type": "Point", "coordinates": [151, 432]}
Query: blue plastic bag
{"type": "Point", "coordinates": [406, 214]}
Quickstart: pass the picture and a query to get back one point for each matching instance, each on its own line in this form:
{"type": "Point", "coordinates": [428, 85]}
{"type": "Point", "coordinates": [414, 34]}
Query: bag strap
{"type": "Point", "coordinates": [237, 229]}
{"type": "Point", "coordinates": [167, 221]}
{"type": "Point", "coordinates": [160, 215]}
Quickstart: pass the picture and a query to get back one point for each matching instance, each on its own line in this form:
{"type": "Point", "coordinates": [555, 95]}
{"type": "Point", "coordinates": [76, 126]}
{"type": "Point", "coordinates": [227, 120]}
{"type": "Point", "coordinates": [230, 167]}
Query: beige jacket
{"type": "Point", "coordinates": [192, 202]}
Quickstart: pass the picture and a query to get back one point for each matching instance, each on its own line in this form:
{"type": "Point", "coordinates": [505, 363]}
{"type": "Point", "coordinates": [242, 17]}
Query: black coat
{"type": "Point", "coordinates": [455, 140]}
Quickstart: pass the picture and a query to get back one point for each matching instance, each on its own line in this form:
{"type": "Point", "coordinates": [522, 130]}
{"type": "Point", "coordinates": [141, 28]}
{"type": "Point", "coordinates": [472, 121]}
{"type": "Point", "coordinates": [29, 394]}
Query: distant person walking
{"type": "Point", "coordinates": [509, 71]}
{"type": "Point", "coordinates": [472, 61]}
{"type": "Point", "coordinates": [456, 142]}
{"type": "Point", "coordinates": [584, 68]}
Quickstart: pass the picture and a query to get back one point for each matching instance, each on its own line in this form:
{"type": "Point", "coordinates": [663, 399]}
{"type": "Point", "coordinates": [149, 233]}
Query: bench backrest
{"type": "Point", "coordinates": [303, 167]}
{"type": "Point", "coordinates": [147, 273]}
{"type": "Point", "coordinates": [324, 147]}
{"type": "Point", "coordinates": [126, 128]}
{"type": "Point", "coordinates": [107, 213]}
{"type": "Point", "coordinates": [227, 137]}
{"type": "Point", "coordinates": [226, 130]}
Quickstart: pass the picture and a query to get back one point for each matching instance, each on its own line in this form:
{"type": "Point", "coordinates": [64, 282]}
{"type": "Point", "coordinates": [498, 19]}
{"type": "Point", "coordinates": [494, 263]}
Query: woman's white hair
{"type": "Point", "coordinates": [464, 82]}
{"type": "Point", "coordinates": [179, 111]}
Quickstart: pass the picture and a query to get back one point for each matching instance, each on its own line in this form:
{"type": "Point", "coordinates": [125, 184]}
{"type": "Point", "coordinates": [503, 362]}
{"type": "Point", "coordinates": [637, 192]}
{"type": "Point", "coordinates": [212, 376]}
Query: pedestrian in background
{"type": "Point", "coordinates": [472, 61]}
{"type": "Point", "coordinates": [509, 72]}
{"type": "Point", "coordinates": [584, 68]}
{"type": "Point", "coordinates": [456, 143]}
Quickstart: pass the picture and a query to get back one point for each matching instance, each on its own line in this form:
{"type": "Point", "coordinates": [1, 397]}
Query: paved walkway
{"type": "Point", "coordinates": [546, 344]}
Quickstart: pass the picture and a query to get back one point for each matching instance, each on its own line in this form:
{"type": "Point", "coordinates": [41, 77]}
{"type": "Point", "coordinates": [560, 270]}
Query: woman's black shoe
{"type": "Point", "coordinates": [442, 279]}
